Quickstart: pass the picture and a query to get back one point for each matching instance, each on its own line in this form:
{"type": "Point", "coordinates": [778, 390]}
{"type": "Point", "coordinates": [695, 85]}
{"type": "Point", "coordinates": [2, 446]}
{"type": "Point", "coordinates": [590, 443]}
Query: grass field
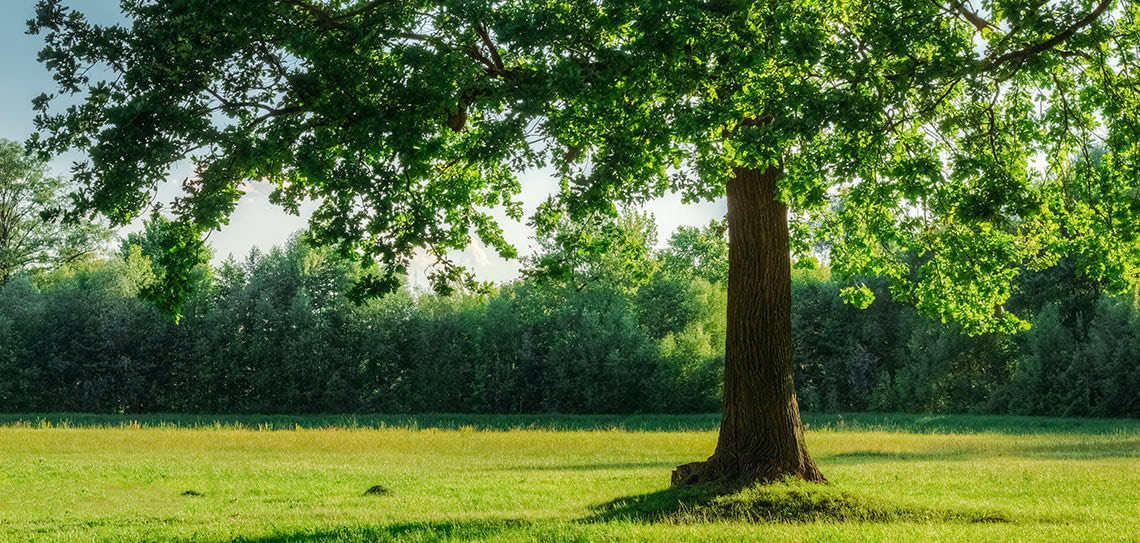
{"type": "Point", "coordinates": [896, 478]}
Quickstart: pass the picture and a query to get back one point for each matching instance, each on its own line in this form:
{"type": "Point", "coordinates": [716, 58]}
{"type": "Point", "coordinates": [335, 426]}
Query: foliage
{"type": "Point", "coordinates": [84, 344]}
{"type": "Point", "coordinates": [278, 332]}
{"type": "Point", "coordinates": [699, 251]}
{"type": "Point", "coordinates": [33, 231]}
{"type": "Point", "coordinates": [177, 260]}
{"type": "Point", "coordinates": [613, 250]}
{"type": "Point", "coordinates": [903, 128]}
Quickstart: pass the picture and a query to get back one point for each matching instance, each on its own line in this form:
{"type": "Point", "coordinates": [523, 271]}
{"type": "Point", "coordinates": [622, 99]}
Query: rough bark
{"type": "Point", "coordinates": [761, 437]}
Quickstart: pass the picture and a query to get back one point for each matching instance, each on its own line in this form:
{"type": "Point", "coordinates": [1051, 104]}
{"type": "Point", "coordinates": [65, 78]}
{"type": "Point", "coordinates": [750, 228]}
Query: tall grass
{"type": "Point", "coordinates": [821, 422]}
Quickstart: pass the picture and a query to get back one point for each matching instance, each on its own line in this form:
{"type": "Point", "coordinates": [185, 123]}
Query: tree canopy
{"type": "Point", "coordinates": [698, 251]}
{"type": "Point", "coordinates": [944, 130]}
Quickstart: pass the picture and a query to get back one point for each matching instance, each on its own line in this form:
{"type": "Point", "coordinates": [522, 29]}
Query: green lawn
{"type": "Point", "coordinates": [912, 478]}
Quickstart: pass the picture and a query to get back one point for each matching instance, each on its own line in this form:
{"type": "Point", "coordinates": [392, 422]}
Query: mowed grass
{"type": "Point", "coordinates": [263, 479]}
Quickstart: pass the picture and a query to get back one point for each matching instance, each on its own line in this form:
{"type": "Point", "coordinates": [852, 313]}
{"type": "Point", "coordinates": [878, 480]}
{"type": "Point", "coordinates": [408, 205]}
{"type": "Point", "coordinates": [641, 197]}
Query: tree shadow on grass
{"type": "Point", "coordinates": [660, 506]}
{"type": "Point", "coordinates": [786, 502]}
{"type": "Point", "coordinates": [1105, 450]}
{"type": "Point", "coordinates": [593, 467]}
{"type": "Point", "coordinates": [420, 532]}
{"type": "Point", "coordinates": [862, 457]}
{"type": "Point", "coordinates": [1086, 451]}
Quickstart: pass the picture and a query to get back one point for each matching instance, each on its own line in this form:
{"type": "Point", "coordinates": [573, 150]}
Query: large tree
{"type": "Point", "coordinates": [936, 128]}
{"type": "Point", "coordinates": [34, 230]}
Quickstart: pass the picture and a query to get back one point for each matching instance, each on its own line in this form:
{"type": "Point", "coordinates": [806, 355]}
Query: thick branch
{"type": "Point", "coordinates": [486, 36]}
{"type": "Point", "coordinates": [328, 19]}
{"type": "Point", "coordinates": [226, 103]}
{"type": "Point", "coordinates": [274, 113]}
{"type": "Point", "coordinates": [1021, 55]}
{"type": "Point", "coordinates": [971, 17]}
{"type": "Point", "coordinates": [370, 6]}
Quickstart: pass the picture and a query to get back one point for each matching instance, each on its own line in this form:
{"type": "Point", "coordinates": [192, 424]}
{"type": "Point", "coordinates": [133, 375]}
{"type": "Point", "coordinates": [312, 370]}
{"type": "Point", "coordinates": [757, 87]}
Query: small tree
{"type": "Point", "coordinates": [702, 252]}
{"type": "Point", "coordinates": [616, 251]}
{"type": "Point", "coordinates": [33, 233]}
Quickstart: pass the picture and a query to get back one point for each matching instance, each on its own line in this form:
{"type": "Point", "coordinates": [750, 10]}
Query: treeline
{"type": "Point", "coordinates": [1081, 356]}
{"type": "Point", "coordinates": [277, 333]}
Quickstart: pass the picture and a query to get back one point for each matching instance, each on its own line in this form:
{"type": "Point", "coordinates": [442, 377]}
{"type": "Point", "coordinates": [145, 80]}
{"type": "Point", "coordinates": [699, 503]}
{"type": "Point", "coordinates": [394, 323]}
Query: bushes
{"type": "Point", "coordinates": [1060, 375]}
{"type": "Point", "coordinates": [890, 358]}
{"type": "Point", "coordinates": [276, 333]}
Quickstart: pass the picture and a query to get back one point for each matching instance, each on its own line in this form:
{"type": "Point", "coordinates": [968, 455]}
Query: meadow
{"type": "Point", "coordinates": [554, 478]}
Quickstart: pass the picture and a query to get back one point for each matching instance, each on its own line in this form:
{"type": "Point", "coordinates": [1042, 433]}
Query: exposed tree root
{"type": "Point", "coordinates": [734, 472]}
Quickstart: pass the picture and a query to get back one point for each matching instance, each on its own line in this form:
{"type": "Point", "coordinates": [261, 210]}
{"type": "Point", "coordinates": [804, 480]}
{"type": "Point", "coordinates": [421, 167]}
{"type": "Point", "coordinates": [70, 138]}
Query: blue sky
{"type": "Point", "coordinates": [256, 222]}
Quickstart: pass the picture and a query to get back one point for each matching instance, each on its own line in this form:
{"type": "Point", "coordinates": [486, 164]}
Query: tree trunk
{"type": "Point", "coordinates": [761, 438]}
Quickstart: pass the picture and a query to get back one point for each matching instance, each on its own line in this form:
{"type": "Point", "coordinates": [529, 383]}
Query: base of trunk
{"type": "Point", "coordinates": [739, 473]}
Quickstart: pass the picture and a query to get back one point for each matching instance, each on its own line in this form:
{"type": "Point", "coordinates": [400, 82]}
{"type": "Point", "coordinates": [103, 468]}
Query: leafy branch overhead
{"type": "Point", "coordinates": [958, 131]}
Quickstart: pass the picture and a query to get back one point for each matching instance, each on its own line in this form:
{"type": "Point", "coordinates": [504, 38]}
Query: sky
{"type": "Point", "coordinates": [256, 222]}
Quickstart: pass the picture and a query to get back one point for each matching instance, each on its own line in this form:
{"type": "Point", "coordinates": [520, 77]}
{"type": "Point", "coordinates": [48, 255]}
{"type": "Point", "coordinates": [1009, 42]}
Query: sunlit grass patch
{"type": "Point", "coordinates": [492, 481]}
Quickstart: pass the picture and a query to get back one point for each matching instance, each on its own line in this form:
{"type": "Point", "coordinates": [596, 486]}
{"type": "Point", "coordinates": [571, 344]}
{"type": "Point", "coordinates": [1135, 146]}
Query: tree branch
{"type": "Point", "coordinates": [328, 19]}
{"type": "Point", "coordinates": [1022, 55]}
{"type": "Point", "coordinates": [274, 113]}
{"type": "Point", "coordinates": [971, 17]}
{"type": "Point", "coordinates": [486, 36]}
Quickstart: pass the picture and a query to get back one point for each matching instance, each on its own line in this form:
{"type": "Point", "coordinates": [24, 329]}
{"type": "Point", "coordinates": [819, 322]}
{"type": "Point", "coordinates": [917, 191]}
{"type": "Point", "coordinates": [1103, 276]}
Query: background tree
{"type": "Point", "coordinates": [407, 119]}
{"type": "Point", "coordinates": [32, 230]}
{"type": "Point", "coordinates": [700, 251]}
{"type": "Point", "coordinates": [615, 251]}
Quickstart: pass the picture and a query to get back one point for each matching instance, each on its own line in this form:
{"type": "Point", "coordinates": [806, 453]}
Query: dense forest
{"type": "Point", "coordinates": [623, 329]}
